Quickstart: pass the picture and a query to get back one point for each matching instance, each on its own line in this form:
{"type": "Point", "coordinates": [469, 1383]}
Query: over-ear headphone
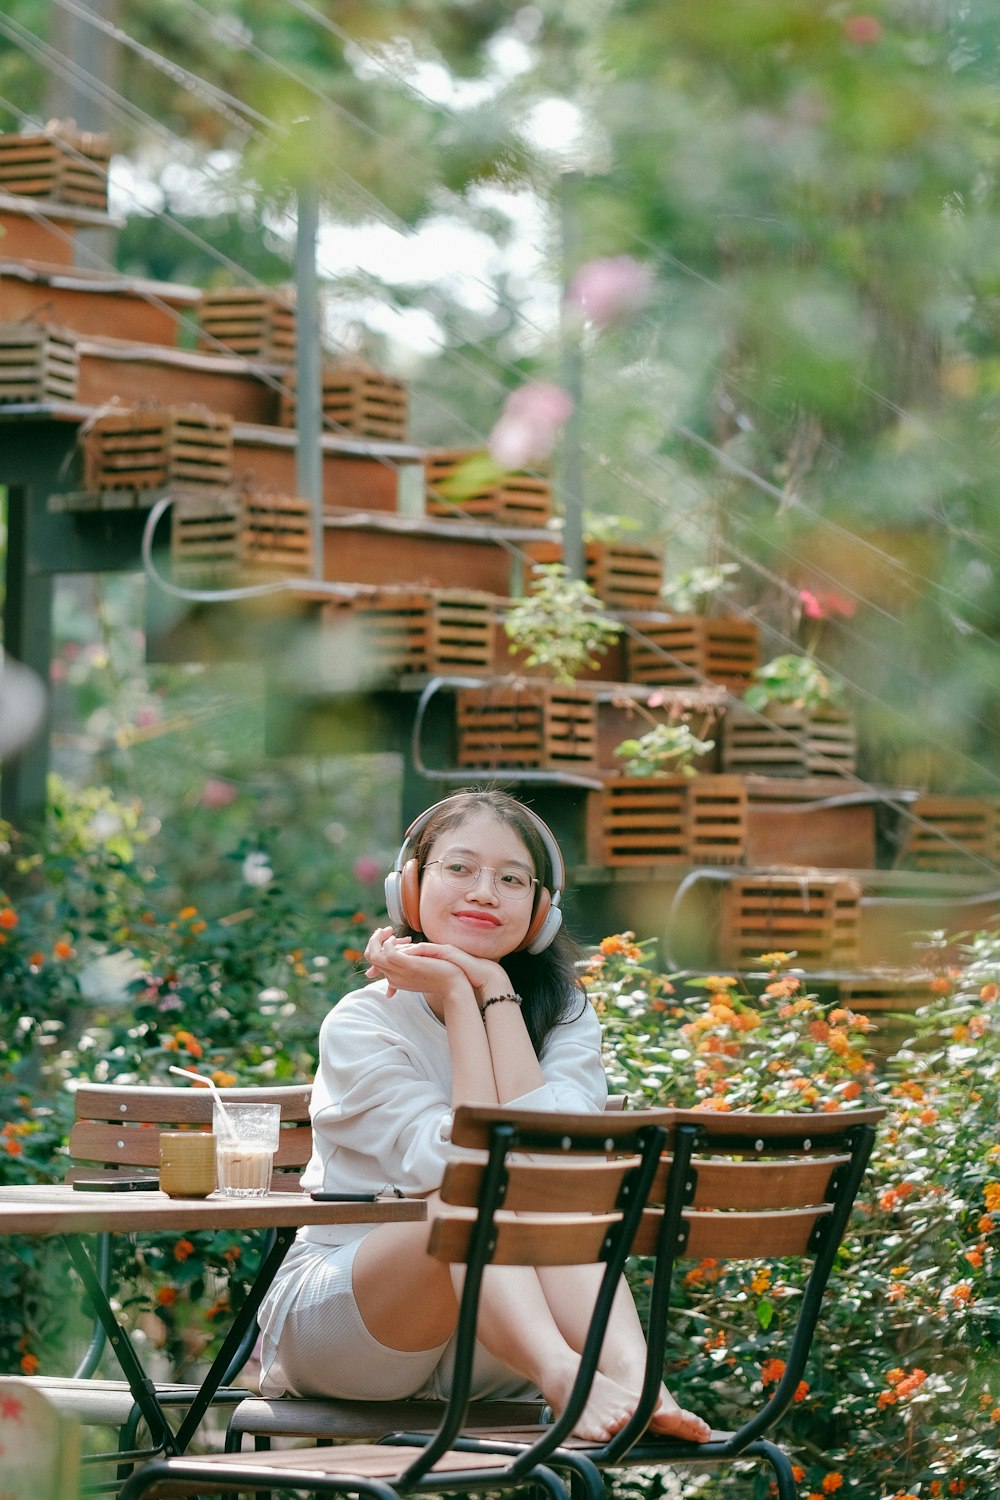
{"type": "Point", "coordinates": [402, 884]}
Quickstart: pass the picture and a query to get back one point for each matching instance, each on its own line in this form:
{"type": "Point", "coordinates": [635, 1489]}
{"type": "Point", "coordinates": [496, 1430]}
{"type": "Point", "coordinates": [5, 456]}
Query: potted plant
{"type": "Point", "coordinates": [560, 625]}
{"type": "Point", "coordinates": [792, 722]}
{"type": "Point", "coordinates": [664, 750]}
{"type": "Point", "coordinates": [697, 641]}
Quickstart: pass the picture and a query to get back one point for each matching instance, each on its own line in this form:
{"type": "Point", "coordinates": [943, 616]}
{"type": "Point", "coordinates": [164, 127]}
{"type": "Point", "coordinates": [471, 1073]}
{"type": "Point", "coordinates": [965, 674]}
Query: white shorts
{"type": "Point", "coordinates": [315, 1342]}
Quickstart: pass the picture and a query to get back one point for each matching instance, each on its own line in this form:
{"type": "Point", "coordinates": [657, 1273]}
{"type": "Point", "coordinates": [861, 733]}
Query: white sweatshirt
{"type": "Point", "coordinates": [381, 1101]}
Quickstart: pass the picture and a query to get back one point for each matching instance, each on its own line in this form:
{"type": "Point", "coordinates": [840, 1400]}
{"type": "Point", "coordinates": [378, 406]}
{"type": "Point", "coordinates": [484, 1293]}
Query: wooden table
{"type": "Point", "coordinates": [49, 1210]}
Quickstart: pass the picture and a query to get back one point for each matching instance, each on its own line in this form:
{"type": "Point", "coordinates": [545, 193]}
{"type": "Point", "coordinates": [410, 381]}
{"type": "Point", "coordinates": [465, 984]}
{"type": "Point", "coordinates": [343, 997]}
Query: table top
{"type": "Point", "coordinates": [56, 1208]}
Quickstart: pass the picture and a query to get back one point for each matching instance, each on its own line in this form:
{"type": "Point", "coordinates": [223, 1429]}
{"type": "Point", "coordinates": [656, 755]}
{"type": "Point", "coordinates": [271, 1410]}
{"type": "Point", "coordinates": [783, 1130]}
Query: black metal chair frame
{"type": "Point", "coordinates": [510, 1133]}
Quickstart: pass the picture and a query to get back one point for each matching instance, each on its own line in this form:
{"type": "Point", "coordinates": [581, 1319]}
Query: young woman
{"type": "Point", "coordinates": [473, 999]}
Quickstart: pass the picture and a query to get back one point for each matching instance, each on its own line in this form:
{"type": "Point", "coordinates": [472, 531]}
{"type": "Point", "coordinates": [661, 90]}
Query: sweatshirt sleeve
{"type": "Point", "coordinates": [575, 1080]}
{"type": "Point", "coordinates": [381, 1113]}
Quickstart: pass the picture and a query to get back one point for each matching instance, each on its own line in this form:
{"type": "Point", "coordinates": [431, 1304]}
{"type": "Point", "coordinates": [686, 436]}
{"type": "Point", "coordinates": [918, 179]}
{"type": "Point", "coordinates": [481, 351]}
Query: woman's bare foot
{"type": "Point", "coordinates": [671, 1420]}
{"type": "Point", "coordinates": [606, 1410]}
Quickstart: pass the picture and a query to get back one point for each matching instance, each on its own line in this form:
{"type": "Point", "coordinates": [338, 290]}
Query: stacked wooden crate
{"type": "Point", "coordinates": [254, 322]}
{"type": "Point", "coordinates": [60, 162]}
{"type": "Point", "coordinates": [667, 820]}
{"type": "Point", "coordinates": [528, 724]}
{"type": "Point", "coordinates": [947, 833]}
{"type": "Point", "coordinates": [38, 362]}
{"type": "Point", "coordinates": [505, 499]}
{"type": "Point", "coordinates": [784, 740]}
{"type": "Point", "coordinates": [146, 448]}
{"type": "Point", "coordinates": [812, 915]}
{"type": "Point", "coordinates": [239, 535]}
{"type": "Point", "coordinates": [670, 649]}
{"type": "Point", "coordinates": [426, 631]}
{"type": "Point", "coordinates": [356, 400]}
{"type": "Point", "coordinates": [623, 576]}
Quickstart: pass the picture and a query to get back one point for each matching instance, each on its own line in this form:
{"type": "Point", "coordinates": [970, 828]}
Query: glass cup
{"type": "Point", "coordinates": [246, 1138]}
{"type": "Point", "coordinates": [187, 1163]}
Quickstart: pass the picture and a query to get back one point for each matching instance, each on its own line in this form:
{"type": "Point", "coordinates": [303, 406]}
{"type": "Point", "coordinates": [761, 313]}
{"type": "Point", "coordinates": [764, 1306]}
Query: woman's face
{"type": "Point", "coordinates": [471, 912]}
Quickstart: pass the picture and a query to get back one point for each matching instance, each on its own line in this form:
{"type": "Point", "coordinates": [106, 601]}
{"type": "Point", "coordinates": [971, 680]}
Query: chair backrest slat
{"type": "Point", "coordinates": [117, 1125]}
{"type": "Point", "coordinates": [756, 1185]}
{"type": "Point", "coordinates": [736, 1236]}
{"type": "Point", "coordinates": [557, 1240]}
{"type": "Point", "coordinates": [589, 1186]}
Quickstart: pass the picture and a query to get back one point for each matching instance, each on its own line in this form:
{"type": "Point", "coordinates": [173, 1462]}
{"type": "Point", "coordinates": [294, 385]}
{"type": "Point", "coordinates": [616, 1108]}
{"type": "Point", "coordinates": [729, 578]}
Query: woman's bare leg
{"type": "Point", "coordinates": [571, 1292]}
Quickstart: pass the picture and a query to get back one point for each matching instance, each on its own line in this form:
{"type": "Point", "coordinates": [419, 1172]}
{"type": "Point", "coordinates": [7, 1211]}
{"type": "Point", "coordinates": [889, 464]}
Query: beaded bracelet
{"type": "Point", "coordinates": [497, 1000]}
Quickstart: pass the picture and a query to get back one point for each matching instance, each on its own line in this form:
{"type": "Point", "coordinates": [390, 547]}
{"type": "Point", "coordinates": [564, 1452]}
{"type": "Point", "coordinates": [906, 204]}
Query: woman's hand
{"type": "Point", "coordinates": [405, 967]}
{"type": "Point", "coordinates": [486, 977]}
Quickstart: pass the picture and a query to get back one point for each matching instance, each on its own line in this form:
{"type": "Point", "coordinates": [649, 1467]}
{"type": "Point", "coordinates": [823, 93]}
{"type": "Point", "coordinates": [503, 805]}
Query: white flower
{"type": "Point", "coordinates": [257, 869]}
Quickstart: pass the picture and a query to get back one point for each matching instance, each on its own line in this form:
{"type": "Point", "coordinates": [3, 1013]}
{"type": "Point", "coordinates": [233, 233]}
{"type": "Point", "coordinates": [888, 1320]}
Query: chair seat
{"type": "Point", "coordinates": [364, 1461]}
{"type": "Point", "coordinates": [300, 1416]}
{"type": "Point", "coordinates": [109, 1403]}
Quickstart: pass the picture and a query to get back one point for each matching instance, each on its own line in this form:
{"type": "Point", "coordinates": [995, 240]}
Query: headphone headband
{"type": "Point", "coordinates": [542, 829]}
{"type": "Point", "coordinates": [402, 884]}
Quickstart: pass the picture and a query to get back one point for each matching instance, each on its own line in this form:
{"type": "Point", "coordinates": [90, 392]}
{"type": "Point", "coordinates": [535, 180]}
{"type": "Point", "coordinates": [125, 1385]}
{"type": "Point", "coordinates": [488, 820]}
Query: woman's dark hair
{"type": "Point", "coordinates": [546, 981]}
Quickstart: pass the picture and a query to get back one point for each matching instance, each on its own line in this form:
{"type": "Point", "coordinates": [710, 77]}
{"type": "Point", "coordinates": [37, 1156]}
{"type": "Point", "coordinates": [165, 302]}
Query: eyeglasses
{"type": "Point", "coordinates": [510, 881]}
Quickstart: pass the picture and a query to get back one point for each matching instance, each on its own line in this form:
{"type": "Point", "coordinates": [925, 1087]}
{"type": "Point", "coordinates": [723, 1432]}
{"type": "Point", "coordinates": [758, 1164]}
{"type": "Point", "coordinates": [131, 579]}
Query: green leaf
{"type": "Point", "coordinates": [765, 1312]}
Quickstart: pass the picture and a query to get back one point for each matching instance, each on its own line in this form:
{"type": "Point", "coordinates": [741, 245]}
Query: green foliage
{"type": "Point", "coordinates": [560, 624]}
{"type": "Point", "coordinates": [664, 750]}
{"type": "Point", "coordinates": [796, 680]}
{"type": "Point", "coordinates": [692, 590]}
{"type": "Point", "coordinates": [902, 1396]}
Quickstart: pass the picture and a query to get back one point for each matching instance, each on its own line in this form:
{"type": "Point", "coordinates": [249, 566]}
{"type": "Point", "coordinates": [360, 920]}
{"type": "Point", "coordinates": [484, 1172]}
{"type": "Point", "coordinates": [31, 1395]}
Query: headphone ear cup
{"type": "Point", "coordinates": [545, 923]}
{"type": "Point", "coordinates": [409, 894]}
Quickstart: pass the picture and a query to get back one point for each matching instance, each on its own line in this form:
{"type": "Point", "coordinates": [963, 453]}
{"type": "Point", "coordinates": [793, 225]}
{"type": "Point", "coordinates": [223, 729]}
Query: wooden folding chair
{"type": "Point", "coordinates": [116, 1132]}
{"type": "Point", "coordinates": [535, 1203]}
{"type": "Point", "coordinates": [733, 1186]}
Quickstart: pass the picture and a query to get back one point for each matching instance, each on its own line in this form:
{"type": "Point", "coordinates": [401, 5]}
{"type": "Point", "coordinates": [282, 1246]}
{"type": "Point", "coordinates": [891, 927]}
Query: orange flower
{"type": "Point", "coordinates": [166, 1296]}
{"type": "Point", "coordinates": [798, 1473]}
{"type": "Point", "coordinates": [989, 993]}
{"type": "Point", "coordinates": [991, 1196]}
{"type": "Point", "coordinates": [183, 1039]}
{"type": "Point", "coordinates": [36, 960]}
{"type": "Point", "coordinates": [761, 1280]}
{"type": "Point", "coordinates": [187, 912]}
{"type": "Point", "coordinates": [975, 1256]}
{"type": "Point", "coordinates": [801, 1391]}
{"type": "Point", "coordinates": [29, 1363]}
{"type": "Point", "coordinates": [62, 949]}
{"type": "Point", "coordinates": [223, 1080]}
{"type": "Point", "coordinates": [182, 1249]}
{"type": "Point", "coordinates": [352, 955]}
{"type": "Point", "coordinates": [984, 1224]}
{"type": "Point", "coordinates": [832, 1482]}
{"type": "Point", "coordinates": [8, 917]}
{"type": "Point", "coordinates": [772, 1370]}
{"type": "Point", "coordinates": [961, 1294]}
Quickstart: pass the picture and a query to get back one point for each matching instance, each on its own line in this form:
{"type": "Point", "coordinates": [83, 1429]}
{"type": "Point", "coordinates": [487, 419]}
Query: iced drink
{"type": "Point", "coordinates": [246, 1139]}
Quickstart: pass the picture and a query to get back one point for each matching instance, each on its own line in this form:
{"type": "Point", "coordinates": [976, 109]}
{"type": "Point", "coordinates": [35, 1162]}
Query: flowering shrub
{"type": "Point", "coordinates": [103, 975]}
{"type": "Point", "coordinates": [902, 1395]}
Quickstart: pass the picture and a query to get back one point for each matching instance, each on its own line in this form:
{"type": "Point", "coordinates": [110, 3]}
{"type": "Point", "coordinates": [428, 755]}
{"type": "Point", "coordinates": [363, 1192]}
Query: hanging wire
{"type": "Point", "coordinates": [220, 100]}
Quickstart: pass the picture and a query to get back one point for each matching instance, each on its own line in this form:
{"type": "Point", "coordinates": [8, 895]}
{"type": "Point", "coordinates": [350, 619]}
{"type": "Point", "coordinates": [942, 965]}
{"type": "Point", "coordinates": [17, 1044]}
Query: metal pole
{"type": "Point", "coordinates": [308, 368]}
{"type": "Point", "coordinates": [572, 378]}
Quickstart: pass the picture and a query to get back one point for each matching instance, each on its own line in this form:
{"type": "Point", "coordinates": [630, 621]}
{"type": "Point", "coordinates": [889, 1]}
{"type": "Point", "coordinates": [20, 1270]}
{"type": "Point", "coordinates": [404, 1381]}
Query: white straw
{"type": "Point", "coordinates": [228, 1127]}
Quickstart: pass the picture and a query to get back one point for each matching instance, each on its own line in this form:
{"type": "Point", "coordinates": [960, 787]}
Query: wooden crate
{"type": "Point", "coordinates": [205, 530]}
{"type": "Point", "coordinates": [622, 576]}
{"type": "Point", "coordinates": [667, 820]}
{"type": "Point", "coordinates": [356, 400]}
{"type": "Point", "coordinates": [670, 649]}
{"type": "Point", "coordinates": [276, 538]}
{"type": "Point", "coordinates": [428, 630]}
{"type": "Point", "coordinates": [38, 362]}
{"type": "Point", "coordinates": [944, 833]}
{"type": "Point", "coordinates": [814, 916]}
{"type": "Point", "coordinates": [513, 500]}
{"type": "Point", "coordinates": [530, 723]}
{"type": "Point", "coordinates": [886, 993]}
{"type": "Point", "coordinates": [63, 163]}
{"type": "Point", "coordinates": [809, 821]}
{"type": "Point", "coordinates": [254, 322]}
{"type": "Point", "coordinates": [788, 741]}
{"type": "Point", "coordinates": [143, 448]}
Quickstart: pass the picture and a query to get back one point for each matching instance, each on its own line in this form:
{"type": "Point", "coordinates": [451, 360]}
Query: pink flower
{"type": "Point", "coordinates": [864, 31]}
{"type": "Point", "coordinates": [531, 420]}
{"type": "Point", "coordinates": [366, 869]}
{"type": "Point", "coordinates": [606, 290]}
{"type": "Point", "coordinates": [821, 606]}
{"type": "Point", "coordinates": [216, 793]}
{"type": "Point", "coordinates": [811, 607]}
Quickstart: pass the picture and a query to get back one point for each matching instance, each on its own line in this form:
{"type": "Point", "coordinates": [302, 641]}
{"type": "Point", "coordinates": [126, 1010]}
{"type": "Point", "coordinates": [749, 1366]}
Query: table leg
{"type": "Point", "coordinates": [141, 1386]}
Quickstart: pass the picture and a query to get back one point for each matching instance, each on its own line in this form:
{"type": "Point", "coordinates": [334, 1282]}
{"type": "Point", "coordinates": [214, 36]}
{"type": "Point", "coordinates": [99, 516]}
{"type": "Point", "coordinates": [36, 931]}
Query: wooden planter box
{"type": "Point", "coordinates": [816, 917]}
{"type": "Point", "coordinates": [149, 448]}
{"type": "Point", "coordinates": [787, 741]}
{"type": "Point", "coordinates": [244, 534]}
{"type": "Point", "coordinates": [943, 833]}
{"type": "Point", "coordinates": [427, 630]}
{"type": "Point", "coordinates": [205, 530]}
{"type": "Point", "coordinates": [513, 500]}
{"type": "Point", "coordinates": [622, 577]}
{"type": "Point", "coordinates": [65, 164]}
{"type": "Point", "coordinates": [811, 822]}
{"type": "Point", "coordinates": [667, 820]}
{"type": "Point", "coordinates": [356, 400]}
{"type": "Point", "coordinates": [277, 537]}
{"type": "Point", "coordinates": [528, 724]}
{"type": "Point", "coordinates": [672, 649]}
{"type": "Point", "coordinates": [38, 362]}
{"type": "Point", "coordinates": [255, 323]}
